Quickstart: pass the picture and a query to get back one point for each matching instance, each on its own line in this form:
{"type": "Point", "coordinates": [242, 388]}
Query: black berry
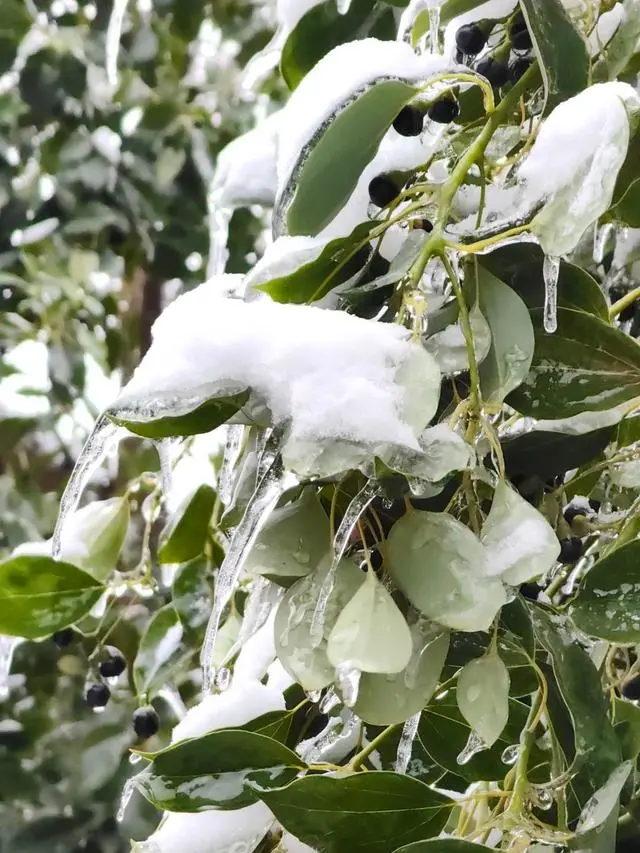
{"type": "Point", "coordinates": [570, 550]}
{"type": "Point", "coordinates": [520, 36]}
{"type": "Point", "coordinates": [444, 110]}
{"type": "Point", "coordinates": [631, 690]}
{"type": "Point", "coordinates": [97, 695]}
{"type": "Point", "coordinates": [375, 558]}
{"type": "Point", "coordinates": [146, 722]}
{"type": "Point", "coordinates": [423, 225]}
{"type": "Point", "coordinates": [518, 68]}
{"type": "Point", "coordinates": [112, 667]}
{"type": "Point", "coordinates": [530, 487]}
{"type": "Point", "coordinates": [530, 591]}
{"type": "Point", "coordinates": [572, 511]}
{"type": "Point", "coordinates": [496, 71]}
{"type": "Point", "coordinates": [595, 504]}
{"type": "Point", "coordinates": [383, 190]}
{"type": "Point", "coordinates": [409, 122]}
{"type": "Point", "coordinates": [470, 39]}
{"type": "Point", "coordinates": [63, 638]}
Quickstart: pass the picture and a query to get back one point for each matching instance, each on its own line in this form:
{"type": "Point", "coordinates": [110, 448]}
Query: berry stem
{"type": "Point", "coordinates": [357, 760]}
{"type": "Point", "coordinates": [624, 302]}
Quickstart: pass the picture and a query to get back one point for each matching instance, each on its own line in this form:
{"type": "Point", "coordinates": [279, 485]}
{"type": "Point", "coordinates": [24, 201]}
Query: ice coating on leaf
{"type": "Point", "coordinates": [441, 567]}
{"type": "Point", "coordinates": [289, 12]}
{"type": "Point", "coordinates": [449, 347]}
{"type": "Point", "coordinates": [213, 831]}
{"type": "Point", "coordinates": [283, 257]}
{"type": "Point", "coordinates": [574, 163]}
{"type": "Point", "coordinates": [483, 696]}
{"type": "Point", "coordinates": [605, 800]}
{"type": "Point", "coordinates": [258, 653]}
{"type": "Point", "coordinates": [339, 75]}
{"type": "Point", "coordinates": [243, 701]}
{"type": "Point", "coordinates": [290, 844]}
{"type": "Point", "coordinates": [330, 375]}
{"type": "Point", "coordinates": [520, 544]}
{"type": "Point", "coordinates": [370, 634]}
{"type": "Point", "coordinates": [306, 662]}
{"type": "Point", "coordinates": [442, 451]}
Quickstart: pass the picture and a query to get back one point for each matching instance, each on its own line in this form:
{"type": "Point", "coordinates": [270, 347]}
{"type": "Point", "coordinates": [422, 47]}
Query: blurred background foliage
{"type": "Point", "coordinates": [102, 221]}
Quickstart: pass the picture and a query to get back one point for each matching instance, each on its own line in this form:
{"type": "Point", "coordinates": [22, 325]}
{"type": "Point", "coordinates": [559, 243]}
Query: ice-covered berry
{"type": "Point", "coordinates": [146, 722]}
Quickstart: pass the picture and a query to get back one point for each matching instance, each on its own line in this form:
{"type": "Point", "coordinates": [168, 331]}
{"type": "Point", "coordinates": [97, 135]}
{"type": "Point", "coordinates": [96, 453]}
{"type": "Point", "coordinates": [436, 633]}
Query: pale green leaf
{"type": "Point", "coordinates": [371, 634]}
{"type": "Point", "coordinates": [449, 347]}
{"type": "Point", "coordinates": [483, 696]}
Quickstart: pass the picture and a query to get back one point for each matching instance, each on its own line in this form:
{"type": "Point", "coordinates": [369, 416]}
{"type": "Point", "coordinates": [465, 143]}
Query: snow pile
{"type": "Point", "coordinates": [574, 163]}
{"type": "Point", "coordinates": [331, 376]}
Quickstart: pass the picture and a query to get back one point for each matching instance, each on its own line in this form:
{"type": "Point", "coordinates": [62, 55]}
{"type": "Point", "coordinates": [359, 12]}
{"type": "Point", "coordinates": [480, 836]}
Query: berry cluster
{"type": "Point", "coordinates": [471, 40]}
{"type": "Point", "coordinates": [145, 720]}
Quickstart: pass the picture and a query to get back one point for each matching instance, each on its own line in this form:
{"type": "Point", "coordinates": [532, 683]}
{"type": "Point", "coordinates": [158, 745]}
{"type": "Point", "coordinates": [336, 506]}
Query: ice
{"type": "Point", "coordinates": [305, 364]}
{"type": "Point", "coordinates": [550, 272]}
{"type": "Point", "coordinates": [164, 447]}
{"type": "Point", "coordinates": [574, 163]}
{"type": "Point", "coordinates": [125, 798]}
{"type": "Point", "coordinates": [258, 653]}
{"type": "Point", "coordinates": [474, 745]}
{"type": "Point", "coordinates": [245, 700]}
{"type": "Point", "coordinates": [219, 219]}
{"type": "Point", "coordinates": [510, 754]}
{"type": "Point", "coordinates": [405, 747]}
{"type": "Point", "coordinates": [348, 681]}
{"type": "Point", "coordinates": [290, 844]}
{"type": "Point", "coordinates": [355, 509]}
{"type": "Point", "coordinates": [339, 737]}
{"type": "Point", "coordinates": [210, 832]}
{"type": "Point", "coordinates": [99, 442]}
{"type": "Point", "coordinates": [232, 452]}
{"type": "Point", "coordinates": [112, 41]}
{"type": "Point", "coordinates": [255, 517]}
{"type": "Point", "coordinates": [7, 648]}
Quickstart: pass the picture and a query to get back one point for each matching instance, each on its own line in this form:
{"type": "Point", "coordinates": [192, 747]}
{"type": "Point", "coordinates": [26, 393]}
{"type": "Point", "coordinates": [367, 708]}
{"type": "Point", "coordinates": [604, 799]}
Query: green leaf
{"type": "Point", "coordinates": [519, 542]}
{"type": "Point", "coordinates": [561, 50]}
{"type": "Point", "coordinates": [626, 195]}
{"type": "Point", "coordinates": [308, 273]}
{"type": "Point", "coordinates": [449, 347]}
{"type": "Point", "coordinates": [293, 541]}
{"type": "Point", "coordinates": [192, 593]}
{"type": "Point", "coordinates": [324, 27]}
{"type": "Point", "coordinates": [185, 534]}
{"type": "Point", "coordinates": [600, 814]}
{"type": "Point", "coordinates": [40, 595]}
{"type": "Point", "coordinates": [547, 454]}
{"type": "Point", "coordinates": [370, 634]}
{"type": "Point", "coordinates": [626, 717]}
{"type": "Point", "coordinates": [387, 699]}
{"type": "Point", "coordinates": [596, 746]}
{"type": "Point", "coordinates": [92, 537]}
{"type": "Point", "coordinates": [623, 46]}
{"type": "Point", "coordinates": [274, 724]}
{"type": "Point", "coordinates": [323, 180]}
{"type": "Point", "coordinates": [440, 566]}
{"type": "Point", "coordinates": [217, 770]}
{"type": "Point", "coordinates": [608, 601]}
{"type": "Point", "coordinates": [204, 417]}
{"type": "Point", "coordinates": [443, 845]}
{"type": "Point", "coordinates": [307, 663]}
{"type": "Point", "coordinates": [442, 451]}
{"type": "Point", "coordinates": [364, 813]}
{"type": "Point", "coordinates": [159, 650]}
{"type": "Point", "coordinates": [483, 696]}
{"type": "Point", "coordinates": [512, 341]}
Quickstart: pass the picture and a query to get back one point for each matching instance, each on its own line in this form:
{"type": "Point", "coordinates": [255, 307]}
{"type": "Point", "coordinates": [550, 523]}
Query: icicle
{"type": "Point", "coordinates": [348, 679]}
{"type": "Point", "coordinates": [259, 604]}
{"type": "Point", "coordinates": [222, 679]}
{"type": "Point", "coordinates": [343, 6]}
{"type": "Point", "coordinates": [125, 798]}
{"type": "Point", "coordinates": [405, 747]}
{"type": "Point", "coordinates": [510, 754]}
{"type": "Point", "coordinates": [258, 510]}
{"type": "Point", "coordinates": [163, 446]}
{"type": "Point", "coordinates": [262, 63]}
{"type": "Point", "coordinates": [355, 509]}
{"type": "Point", "coordinates": [7, 648]}
{"type": "Point", "coordinates": [434, 26]}
{"type": "Point", "coordinates": [474, 745]}
{"type": "Point", "coordinates": [174, 700]}
{"type": "Point", "coordinates": [232, 450]}
{"type": "Point", "coordinates": [94, 450]}
{"type": "Point", "coordinates": [112, 40]}
{"type": "Point", "coordinates": [335, 741]}
{"type": "Point", "coordinates": [600, 238]}
{"type": "Point", "coordinates": [268, 447]}
{"type": "Point", "coordinates": [551, 271]}
{"type": "Point", "coordinates": [219, 218]}
{"type": "Point", "coordinates": [329, 701]}
{"type": "Point", "coordinates": [408, 19]}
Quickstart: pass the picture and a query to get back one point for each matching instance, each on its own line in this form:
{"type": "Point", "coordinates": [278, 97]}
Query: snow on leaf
{"type": "Point", "coordinates": [519, 542]}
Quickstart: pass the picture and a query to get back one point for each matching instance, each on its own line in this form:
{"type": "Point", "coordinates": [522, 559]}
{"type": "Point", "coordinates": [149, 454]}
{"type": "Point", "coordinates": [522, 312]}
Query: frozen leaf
{"type": "Point", "coordinates": [449, 347]}
{"type": "Point", "coordinates": [307, 663]}
{"type": "Point", "coordinates": [483, 696]}
{"type": "Point", "coordinates": [370, 634]}
{"type": "Point", "coordinates": [92, 537]}
{"type": "Point", "coordinates": [292, 542]}
{"type": "Point", "coordinates": [226, 637]}
{"type": "Point", "coordinates": [512, 341]}
{"type": "Point", "coordinates": [387, 699]}
{"type": "Point", "coordinates": [184, 536]}
{"type": "Point", "coordinates": [519, 542]}
{"type": "Point", "coordinates": [443, 451]}
{"type": "Point", "coordinates": [603, 802]}
{"type": "Point", "coordinates": [441, 567]}
{"type": "Point", "coordinates": [159, 651]}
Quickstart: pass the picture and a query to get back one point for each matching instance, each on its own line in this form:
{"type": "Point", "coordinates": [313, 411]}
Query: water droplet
{"type": "Point", "coordinates": [543, 799]}
{"type": "Point", "coordinates": [405, 747]}
{"type": "Point", "coordinates": [474, 745]}
{"type": "Point", "coordinates": [135, 758]}
{"type": "Point", "coordinates": [355, 509]}
{"type": "Point", "coordinates": [550, 271]}
{"type": "Point", "coordinates": [510, 754]}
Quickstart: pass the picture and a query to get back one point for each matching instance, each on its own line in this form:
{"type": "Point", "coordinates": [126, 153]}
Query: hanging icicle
{"type": "Point", "coordinates": [112, 41]}
{"type": "Point", "coordinates": [551, 272]}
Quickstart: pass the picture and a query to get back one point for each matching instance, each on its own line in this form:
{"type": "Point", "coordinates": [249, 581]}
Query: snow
{"type": "Point", "coordinates": [289, 12]}
{"type": "Point", "coordinates": [308, 365]}
{"type": "Point", "coordinates": [493, 9]}
{"type": "Point", "coordinates": [210, 831]}
{"type": "Point", "coordinates": [290, 844]}
{"type": "Point", "coordinates": [605, 29]}
{"type": "Point", "coordinates": [241, 702]}
{"type": "Point", "coordinates": [246, 167]}
{"type": "Point", "coordinates": [257, 654]}
{"type": "Point", "coordinates": [336, 78]}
